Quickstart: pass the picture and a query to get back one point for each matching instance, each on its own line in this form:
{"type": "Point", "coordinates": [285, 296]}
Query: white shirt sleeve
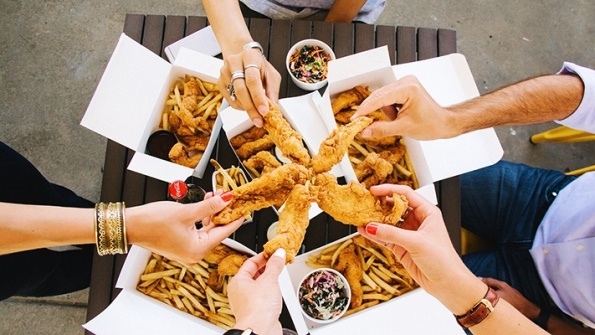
{"type": "Point", "coordinates": [584, 116]}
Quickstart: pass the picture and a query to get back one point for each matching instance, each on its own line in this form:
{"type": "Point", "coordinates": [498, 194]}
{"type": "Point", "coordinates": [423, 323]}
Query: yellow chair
{"type": "Point", "coordinates": [471, 242]}
{"type": "Point", "coordinates": [564, 134]}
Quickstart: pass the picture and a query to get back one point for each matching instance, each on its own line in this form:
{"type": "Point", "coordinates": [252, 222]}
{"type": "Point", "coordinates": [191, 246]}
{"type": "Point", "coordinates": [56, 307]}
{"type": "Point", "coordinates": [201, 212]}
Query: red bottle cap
{"type": "Point", "coordinates": [177, 190]}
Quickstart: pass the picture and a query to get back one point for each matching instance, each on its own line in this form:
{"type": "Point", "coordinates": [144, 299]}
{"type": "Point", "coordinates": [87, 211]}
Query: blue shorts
{"type": "Point", "coordinates": [504, 204]}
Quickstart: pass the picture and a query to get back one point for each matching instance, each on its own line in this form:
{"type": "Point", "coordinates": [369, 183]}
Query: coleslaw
{"type": "Point", "coordinates": [323, 295]}
{"type": "Point", "coordinates": [309, 64]}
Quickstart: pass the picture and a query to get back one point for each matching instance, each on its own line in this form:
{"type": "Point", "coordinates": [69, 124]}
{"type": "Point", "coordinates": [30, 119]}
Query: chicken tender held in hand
{"type": "Point", "coordinates": [334, 147]}
{"type": "Point", "coordinates": [270, 189]}
{"type": "Point", "coordinates": [285, 137]}
{"type": "Point", "coordinates": [354, 204]}
{"type": "Point", "coordinates": [293, 222]}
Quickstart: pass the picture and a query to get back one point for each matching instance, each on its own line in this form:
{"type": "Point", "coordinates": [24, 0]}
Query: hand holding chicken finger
{"type": "Point", "coordinates": [429, 257]}
{"type": "Point", "coordinates": [408, 106]}
{"type": "Point", "coordinates": [179, 239]}
{"type": "Point", "coordinates": [247, 81]}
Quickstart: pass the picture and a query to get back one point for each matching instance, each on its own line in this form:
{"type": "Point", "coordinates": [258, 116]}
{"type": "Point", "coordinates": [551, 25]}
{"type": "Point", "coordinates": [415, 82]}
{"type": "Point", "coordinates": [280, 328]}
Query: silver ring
{"type": "Point", "coordinates": [251, 65]}
{"type": "Point", "coordinates": [237, 75]}
{"type": "Point", "coordinates": [254, 45]}
{"type": "Point", "coordinates": [231, 91]}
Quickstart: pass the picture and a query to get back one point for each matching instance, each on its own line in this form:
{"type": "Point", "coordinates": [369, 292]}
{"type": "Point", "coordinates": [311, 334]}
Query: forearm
{"type": "Point", "coordinates": [26, 227]}
{"type": "Point", "coordinates": [225, 17]}
{"type": "Point", "coordinates": [504, 319]}
{"type": "Point", "coordinates": [536, 100]}
{"type": "Point", "coordinates": [344, 10]}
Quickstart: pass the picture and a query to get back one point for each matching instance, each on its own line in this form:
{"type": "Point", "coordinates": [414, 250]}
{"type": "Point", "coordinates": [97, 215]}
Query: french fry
{"type": "Point", "coordinates": [379, 283]}
{"type": "Point", "coordinates": [185, 288]}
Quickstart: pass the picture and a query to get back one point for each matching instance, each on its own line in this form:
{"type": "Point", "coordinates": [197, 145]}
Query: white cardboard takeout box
{"type": "Point", "coordinates": [448, 80]}
{"type": "Point", "coordinates": [413, 313]}
{"type": "Point", "coordinates": [132, 312]}
{"type": "Point", "coordinates": [130, 99]}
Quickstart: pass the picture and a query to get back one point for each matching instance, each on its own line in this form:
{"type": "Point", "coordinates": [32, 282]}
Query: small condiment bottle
{"type": "Point", "coordinates": [185, 191]}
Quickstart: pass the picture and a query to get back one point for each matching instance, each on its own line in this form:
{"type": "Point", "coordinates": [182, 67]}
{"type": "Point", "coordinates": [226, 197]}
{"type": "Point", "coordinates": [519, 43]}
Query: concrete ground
{"type": "Point", "coordinates": [54, 52]}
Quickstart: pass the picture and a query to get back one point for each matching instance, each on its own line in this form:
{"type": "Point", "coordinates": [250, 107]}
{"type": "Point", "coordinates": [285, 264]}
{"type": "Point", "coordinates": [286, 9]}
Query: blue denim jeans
{"type": "Point", "coordinates": [504, 204]}
{"type": "Point", "coordinates": [40, 272]}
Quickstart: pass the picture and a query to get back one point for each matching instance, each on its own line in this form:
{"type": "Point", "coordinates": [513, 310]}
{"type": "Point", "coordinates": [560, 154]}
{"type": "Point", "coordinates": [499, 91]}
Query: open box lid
{"type": "Point", "coordinates": [449, 81]}
{"type": "Point", "coordinates": [130, 98]}
{"type": "Point", "coordinates": [127, 93]}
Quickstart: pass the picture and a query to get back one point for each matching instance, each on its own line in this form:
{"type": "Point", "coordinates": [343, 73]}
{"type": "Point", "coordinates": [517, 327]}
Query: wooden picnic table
{"type": "Point", "coordinates": [155, 32]}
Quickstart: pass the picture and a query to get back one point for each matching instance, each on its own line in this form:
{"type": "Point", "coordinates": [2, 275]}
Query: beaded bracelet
{"type": "Point", "coordinates": [110, 228]}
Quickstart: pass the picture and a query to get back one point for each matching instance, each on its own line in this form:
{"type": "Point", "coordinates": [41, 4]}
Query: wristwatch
{"type": "Point", "coordinates": [479, 311]}
{"type": "Point", "coordinates": [247, 331]}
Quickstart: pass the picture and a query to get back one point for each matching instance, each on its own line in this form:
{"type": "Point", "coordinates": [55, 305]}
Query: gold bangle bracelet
{"type": "Point", "coordinates": [110, 229]}
{"type": "Point", "coordinates": [101, 238]}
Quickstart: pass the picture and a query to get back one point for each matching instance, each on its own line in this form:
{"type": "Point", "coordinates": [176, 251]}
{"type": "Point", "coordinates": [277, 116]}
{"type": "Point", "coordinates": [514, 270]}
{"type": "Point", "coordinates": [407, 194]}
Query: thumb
{"type": "Point", "coordinates": [381, 129]}
{"type": "Point", "coordinates": [212, 205]}
{"type": "Point", "coordinates": [276, 263]}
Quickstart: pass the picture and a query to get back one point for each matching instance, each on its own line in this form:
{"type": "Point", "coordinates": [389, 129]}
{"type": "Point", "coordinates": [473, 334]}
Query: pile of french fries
{"type": "Point", "coordinates": [186, 289]}
{"type": "Point", "coordinates": [229, 179]}
{"type": "Point", "coordinates": [209, 100]}
{"type": "Point", "coordinates": [190, 112]}
{"type": "Point", "coordinates": [381, 280]}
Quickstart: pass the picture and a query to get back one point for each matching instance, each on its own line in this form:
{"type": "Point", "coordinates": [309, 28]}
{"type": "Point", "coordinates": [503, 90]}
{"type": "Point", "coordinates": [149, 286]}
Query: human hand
{"type": "Point", "coordinates": [261, 81]}
{"type": "Point", "coordinates": [514, 297]}
{"type": "Point", "coordinates": [255, 296]}
{"type": "Point", "coordinates": [427, 253]}
{"type": "Point", "coordinates": [411, 110]}
{"type": "Point", "coordinates": [168, 228]}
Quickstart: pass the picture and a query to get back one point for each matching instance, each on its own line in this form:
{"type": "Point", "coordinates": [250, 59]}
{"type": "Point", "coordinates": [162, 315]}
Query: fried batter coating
{"type": "Point", "coordinates": [262, 162]}
{"type": "Point", "coordinates": [217, 254]}
{"type": "Point", "coordinates": [249, 135]}
{"type": "Point", "coordinates": [354, 96]}
{"type": "Point", "coordinates": [354, 204]}
{"type": "Point", "coordinates": [179, 154]}
{"type": "Point", "coordinates": [268, 190]}
{"type": "Point", "coordinates": [250, 148]}
{"type": "Point", "coordinates": [334, 147]}
{"type": "Point", "coordinates": [293, 222]}
{"type": "Point", "coordinates": [373, 170]}
{"type": "Point", "coordinates": [230, 265]}
{"type": "Point", "coordinates": [349, 264]}
{"type": "Point", "coordinates": [393, 155]}
{"type": "Point", "coordinates": [284, 136]}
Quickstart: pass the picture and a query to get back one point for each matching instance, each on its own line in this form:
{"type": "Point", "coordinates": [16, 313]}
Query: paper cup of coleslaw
{"type": "Point", "coordinates": [324, 295]}
{"type": "Point", "coordinates": [307, 63]}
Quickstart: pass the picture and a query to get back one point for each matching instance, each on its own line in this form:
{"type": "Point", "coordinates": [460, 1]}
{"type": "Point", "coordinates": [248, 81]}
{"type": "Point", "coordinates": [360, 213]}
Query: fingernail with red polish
{"type": "Point", "coordinates": [227, 196]}
{"type": "Point", "coordinates": [371, 229]}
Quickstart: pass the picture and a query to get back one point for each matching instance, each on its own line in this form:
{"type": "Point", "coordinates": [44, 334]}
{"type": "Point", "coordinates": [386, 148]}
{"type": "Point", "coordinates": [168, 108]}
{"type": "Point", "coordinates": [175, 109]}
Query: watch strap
{"type": "Point", "coordinates": [480, 310]}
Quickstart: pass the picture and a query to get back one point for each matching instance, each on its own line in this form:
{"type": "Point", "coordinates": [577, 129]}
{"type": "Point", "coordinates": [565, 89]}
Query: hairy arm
{"type": "Point", "coordinates": [540, 99]}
